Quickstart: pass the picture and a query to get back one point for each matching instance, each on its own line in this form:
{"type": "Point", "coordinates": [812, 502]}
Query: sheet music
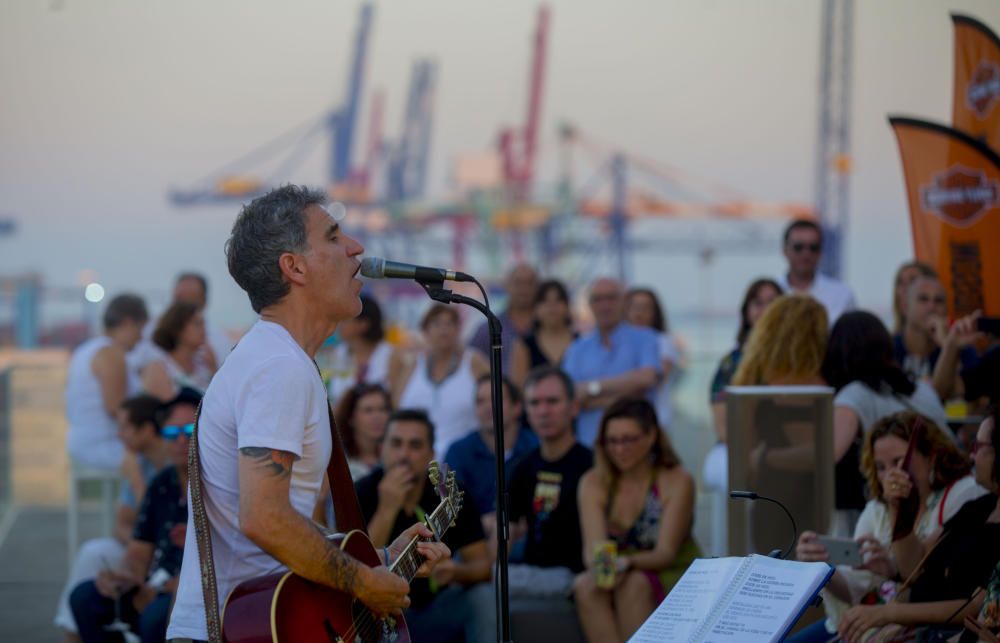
{"type": "Point", "coordinates": [763, 606]}
{"type": "Point", "coordinates": [690, 601]}
{"type": "Point", "coordinates": [733, 600]}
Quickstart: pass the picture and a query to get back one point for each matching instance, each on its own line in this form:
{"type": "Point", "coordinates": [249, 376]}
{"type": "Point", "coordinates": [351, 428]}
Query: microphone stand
{"type": "Point", "coordinates": [436, 291]}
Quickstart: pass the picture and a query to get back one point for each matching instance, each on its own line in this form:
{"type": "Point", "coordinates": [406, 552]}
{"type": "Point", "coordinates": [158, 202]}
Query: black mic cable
{"type": "Point", "coordinates": [752, 495]}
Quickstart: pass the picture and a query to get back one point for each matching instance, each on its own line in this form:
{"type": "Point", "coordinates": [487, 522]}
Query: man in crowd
{"type": "Point", "coordinates": [140, 419]}
{"type": "Point", "coordinates": [803, 249]}
{"type": "Point", "coordinates": [457, 600]}
{"type": "Point", "coordinates": [473, 457]}
{"type": "Point", "coordinates": [519, 316]}
{"type": "Point", "coordinates": [614, 360]}
{"type": "Point", "coordinates": [925, 331]}
{"type": "Point", "coordinates": [140, 589]}
{"type": "Point", "coordinates": [543, 506]}
{"type": "Point", "coordinates": [264, 434]}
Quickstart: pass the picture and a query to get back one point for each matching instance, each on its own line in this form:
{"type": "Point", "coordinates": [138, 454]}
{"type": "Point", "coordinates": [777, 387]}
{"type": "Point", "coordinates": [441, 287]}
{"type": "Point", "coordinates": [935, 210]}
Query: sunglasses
{"type": "Point", "coordinates": [800, 247]}
{"type": "Point", "coordinates": [173, 431]}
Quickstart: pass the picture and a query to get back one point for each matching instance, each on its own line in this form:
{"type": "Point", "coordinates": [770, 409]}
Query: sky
{"type": "Point", "coordinates": [107, 104]}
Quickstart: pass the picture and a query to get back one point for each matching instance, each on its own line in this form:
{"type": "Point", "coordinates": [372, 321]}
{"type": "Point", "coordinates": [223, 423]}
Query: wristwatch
{"type": "Point", "coordinates": [594, 388]}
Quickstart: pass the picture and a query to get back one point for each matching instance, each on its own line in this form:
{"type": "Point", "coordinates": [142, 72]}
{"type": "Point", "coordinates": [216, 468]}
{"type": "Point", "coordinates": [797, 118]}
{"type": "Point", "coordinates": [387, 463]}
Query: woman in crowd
{"type": "Point", "coordinates": [97, 383]}
{"type": "Point", "coordinates": [758, 297]}
{"type": "Point", "coordinates": [363, 355]}
{"type": "Point", "coordinates": [643, 309]}
{"type": "Point", "coordinates": [640, 497]}
{"type": "Point", "coordinates": [179, 337]}
{"type": "Point", "coordinates": [946, 575]}
{"type": "Point", "coordinates": [442, 378]}
{"type": "Point", "coordinates": [552, 333]}
{"type": "Point", "coordinates": [943, 485]}
{"type": "Point", "coordinates": [906, 274]}
{"type": "Point", "coordinates": [785, 348]}
{"type": "Point", "coordinates": [859, 365]}
{"type": "Point", "coordinates": [361, 416]}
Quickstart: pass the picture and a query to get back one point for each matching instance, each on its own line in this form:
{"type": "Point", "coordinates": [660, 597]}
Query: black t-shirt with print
{"type": "Point", "coordinates": [545, 493]}
{"type": "Point", "coordinates": [467, 529]}
{"type": "Point", "coordinates": [162, 520]}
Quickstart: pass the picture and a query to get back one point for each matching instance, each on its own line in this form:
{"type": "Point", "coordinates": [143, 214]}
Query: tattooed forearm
{"type": "Point", "coordinates": [278, 463]}
{"type": "Point", "coordinates": [342, 568]}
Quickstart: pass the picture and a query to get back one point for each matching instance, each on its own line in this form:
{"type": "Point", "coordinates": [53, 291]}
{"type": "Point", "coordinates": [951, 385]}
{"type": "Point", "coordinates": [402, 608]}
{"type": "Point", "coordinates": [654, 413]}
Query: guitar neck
{"type": "Point", "coordinates": [408, 562]}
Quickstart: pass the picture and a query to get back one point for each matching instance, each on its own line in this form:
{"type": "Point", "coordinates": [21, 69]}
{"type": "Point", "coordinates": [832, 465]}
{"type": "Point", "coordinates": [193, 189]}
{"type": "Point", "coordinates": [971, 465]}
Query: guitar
{"type": "Point", "coordinates": [287, 608]}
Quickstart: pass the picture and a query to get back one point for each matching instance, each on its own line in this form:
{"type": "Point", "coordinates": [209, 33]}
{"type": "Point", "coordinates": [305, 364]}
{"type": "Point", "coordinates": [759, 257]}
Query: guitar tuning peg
{"type": "Point", "coordinates": [434, 473]}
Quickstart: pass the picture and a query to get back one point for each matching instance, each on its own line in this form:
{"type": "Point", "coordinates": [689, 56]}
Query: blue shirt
{"type": "Point", "coordinates": [475, 466]}
{"type": "Point", "coordinates": [587, 358]}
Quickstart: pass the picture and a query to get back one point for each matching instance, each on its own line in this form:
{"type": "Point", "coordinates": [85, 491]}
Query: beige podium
{"type": "Point", "coordinates": [780, 445]}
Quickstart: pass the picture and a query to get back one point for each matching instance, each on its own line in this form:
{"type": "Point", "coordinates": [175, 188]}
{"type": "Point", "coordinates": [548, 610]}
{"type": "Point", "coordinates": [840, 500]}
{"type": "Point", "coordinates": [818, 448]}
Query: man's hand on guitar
{"type": "Point", "coordinates": [382, 591]}
{"type": "Point", "coordinates": [433, 552]}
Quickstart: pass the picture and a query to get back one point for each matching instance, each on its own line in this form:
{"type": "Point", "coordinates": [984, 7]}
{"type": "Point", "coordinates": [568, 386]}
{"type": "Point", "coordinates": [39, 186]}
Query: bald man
{"type": "Point", "coordinates": [517, 320]}
{"type": "Point", "coordinates": [614, 360]}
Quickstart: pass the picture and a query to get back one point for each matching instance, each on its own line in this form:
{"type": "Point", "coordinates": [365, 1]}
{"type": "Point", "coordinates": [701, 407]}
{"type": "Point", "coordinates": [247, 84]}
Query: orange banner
{"type": "Point", "coordinates": [976, 98]}
{"type": "Point", "coordinates": [953, 186]}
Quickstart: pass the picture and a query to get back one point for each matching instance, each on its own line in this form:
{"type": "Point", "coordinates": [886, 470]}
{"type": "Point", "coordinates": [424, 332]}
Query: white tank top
{"type": "Point", "coordinates": [344, 372]}
{"type": "Point", "coordinates": [88, 419]}
{"type": "Point", "coordinates": [450, 403]}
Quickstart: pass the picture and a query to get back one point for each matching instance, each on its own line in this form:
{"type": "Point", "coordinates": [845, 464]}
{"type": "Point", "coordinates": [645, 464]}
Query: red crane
{"type": "Point", "coordinates": [518, 147]}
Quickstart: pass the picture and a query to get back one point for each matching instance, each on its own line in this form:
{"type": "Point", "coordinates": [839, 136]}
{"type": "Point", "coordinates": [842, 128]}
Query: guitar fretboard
{"type": "Point", "coordinates": [407, 564]}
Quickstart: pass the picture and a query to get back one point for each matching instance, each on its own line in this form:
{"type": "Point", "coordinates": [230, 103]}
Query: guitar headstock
{"type": "Point", "coordinates": [451, 497]}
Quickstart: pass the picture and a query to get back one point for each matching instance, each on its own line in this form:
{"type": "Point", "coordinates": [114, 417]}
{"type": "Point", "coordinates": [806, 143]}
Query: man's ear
{"type": "Point", "coordinates": [293, 267]}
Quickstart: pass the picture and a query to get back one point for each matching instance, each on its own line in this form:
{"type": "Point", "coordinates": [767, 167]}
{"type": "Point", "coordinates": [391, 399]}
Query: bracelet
{"type": "Point", "coordinates": [385, 552]}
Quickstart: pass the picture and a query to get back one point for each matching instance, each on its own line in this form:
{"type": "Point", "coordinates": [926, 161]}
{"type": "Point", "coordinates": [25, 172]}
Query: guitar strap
{"type": "Point", "coordinates": [346, 508]}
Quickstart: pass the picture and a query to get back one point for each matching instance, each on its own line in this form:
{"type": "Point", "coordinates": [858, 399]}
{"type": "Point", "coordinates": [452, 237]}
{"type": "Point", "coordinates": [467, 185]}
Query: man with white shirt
{"type": "Point", "coordinates": [803, 249]}
{"type": "Point", "coordinates": [264, 434]}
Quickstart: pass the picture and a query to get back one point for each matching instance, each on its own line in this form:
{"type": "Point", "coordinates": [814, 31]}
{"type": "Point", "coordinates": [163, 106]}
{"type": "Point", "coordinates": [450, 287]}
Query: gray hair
{"type": "Point", "coordinates": [268, 227]}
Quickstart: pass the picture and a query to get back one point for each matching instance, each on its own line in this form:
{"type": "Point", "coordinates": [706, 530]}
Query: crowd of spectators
{"type": "Point", "coordinates": [589, 455]}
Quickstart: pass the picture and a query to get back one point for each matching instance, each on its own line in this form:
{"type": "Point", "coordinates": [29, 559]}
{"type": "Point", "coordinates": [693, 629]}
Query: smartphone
{"type": "Point", "coordinates": [842, 551]}
{"type": "Point", "coordinates": [989, 325]}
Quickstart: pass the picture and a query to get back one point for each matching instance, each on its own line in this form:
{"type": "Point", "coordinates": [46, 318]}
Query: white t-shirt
{"type": "Point", "coordinates": [835, 295]}
{"type": "Point", "coordinates": [269, 394]}
{"type": "Point", "coordinates": [872, 407]}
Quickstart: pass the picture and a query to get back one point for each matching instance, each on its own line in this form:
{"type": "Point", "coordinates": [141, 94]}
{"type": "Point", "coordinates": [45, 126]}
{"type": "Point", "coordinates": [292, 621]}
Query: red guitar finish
{"type": "Point", "coordinates": [286, 608]}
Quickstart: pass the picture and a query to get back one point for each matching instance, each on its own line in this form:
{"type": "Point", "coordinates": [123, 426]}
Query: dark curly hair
{"type": "Point", "coordinates": [346, 407]}
{"type": "Point", "coordinates": [171, 325]}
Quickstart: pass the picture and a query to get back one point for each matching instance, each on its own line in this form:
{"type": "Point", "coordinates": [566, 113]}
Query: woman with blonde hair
{"type": "Point", "coordinates": [785, 348]}
{"type": "Point", "coordinates": [640, 497]}
{"type": "Point", "coordinates": [787, 344]}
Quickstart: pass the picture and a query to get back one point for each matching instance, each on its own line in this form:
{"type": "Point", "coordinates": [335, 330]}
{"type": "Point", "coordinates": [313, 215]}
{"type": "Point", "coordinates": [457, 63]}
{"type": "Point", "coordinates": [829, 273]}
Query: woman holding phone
{"type": "Point", "coordinates": [938, 472]}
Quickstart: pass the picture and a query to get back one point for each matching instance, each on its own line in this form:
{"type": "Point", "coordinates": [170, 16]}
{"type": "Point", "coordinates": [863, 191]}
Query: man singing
{"type": "Point", "coordinates": [264, 431]}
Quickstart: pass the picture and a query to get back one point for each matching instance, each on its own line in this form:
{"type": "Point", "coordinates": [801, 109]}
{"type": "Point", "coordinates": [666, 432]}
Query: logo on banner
{"type": "Point", "coordinates": [960, 196]}
{"type": "Point", "coordinates": [984, 88]}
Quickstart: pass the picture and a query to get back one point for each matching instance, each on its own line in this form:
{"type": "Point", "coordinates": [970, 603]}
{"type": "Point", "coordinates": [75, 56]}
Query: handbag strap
{"type": "Point", "coordinates": [209, 584]}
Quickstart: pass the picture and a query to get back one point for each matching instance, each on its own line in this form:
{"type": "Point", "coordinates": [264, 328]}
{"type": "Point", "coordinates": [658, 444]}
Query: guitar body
{"type": "Point", "coordinates": [286, 608]}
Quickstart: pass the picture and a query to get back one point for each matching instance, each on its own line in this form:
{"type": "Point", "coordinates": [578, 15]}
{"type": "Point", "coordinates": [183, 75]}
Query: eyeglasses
{"type": "Point", "coordinates": [978, 445]}
{"type": "Point", "coordinates": [624, 441]}
{"type": "Point", "coordinates": [173, 431]}
{"type": "Point", "coordinates": [800, 247]}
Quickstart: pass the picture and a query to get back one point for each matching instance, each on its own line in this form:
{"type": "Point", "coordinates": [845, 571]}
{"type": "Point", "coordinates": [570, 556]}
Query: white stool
{"type": "Point", "coordinates": [109, 481]}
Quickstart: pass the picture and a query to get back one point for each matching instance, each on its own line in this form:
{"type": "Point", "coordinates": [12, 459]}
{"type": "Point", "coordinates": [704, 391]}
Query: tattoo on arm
{"type": "Point", "coordinates": [342, 568]}
{"type": "Point", "coordinates": [278, 463]}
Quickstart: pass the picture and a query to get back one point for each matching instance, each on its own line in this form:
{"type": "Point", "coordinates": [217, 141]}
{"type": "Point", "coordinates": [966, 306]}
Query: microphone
{"type": "Point", "coordinates": [378, 268]}
{"type": "Point", "coordinates": [752, 495]}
